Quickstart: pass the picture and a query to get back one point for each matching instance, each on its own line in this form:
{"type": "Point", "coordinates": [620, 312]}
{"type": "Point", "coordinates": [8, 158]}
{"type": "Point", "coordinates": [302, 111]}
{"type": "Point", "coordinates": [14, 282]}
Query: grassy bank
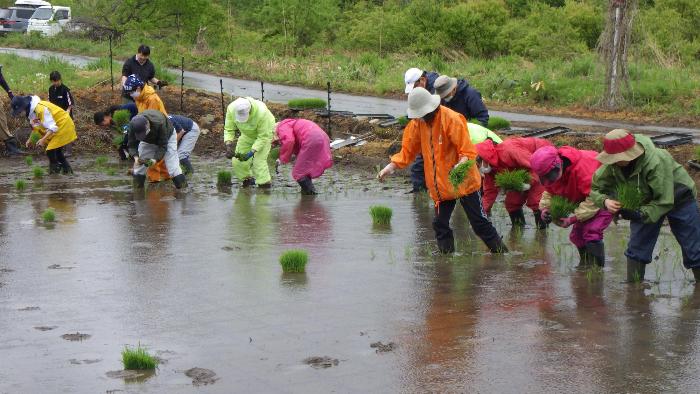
{"type": "Point", "coordinates": [664, 94]}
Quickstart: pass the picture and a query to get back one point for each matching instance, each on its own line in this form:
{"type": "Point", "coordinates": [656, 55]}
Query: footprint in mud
{"type": "Point", "coordinates": [130, 375]}
{"type": "Point", "coordinates": [230, 248]}
{"type": "Point", "coordinates": [383, 348]}
{"type": "Point", "coordinates": [201, 376]}
{"type": "Point", "coordinates": [6, 270]}
{"type": "Point", "coordinates": [75, 337]}
{"type": "Point", "coordinates": [88, 361]}
{"type": "Point", "coordinates": [59, 267]}
{"type": "Point", "coordinates": [29, 308]}
{"type": "Point", "coordinates": [321, 362]}
{"type": "Point", "coordinates": [45, 328]}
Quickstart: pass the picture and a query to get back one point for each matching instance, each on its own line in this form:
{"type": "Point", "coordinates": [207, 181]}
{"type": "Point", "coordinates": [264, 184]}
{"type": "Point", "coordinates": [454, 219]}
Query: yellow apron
{"type": "Point", "coordinates": [66, 128]}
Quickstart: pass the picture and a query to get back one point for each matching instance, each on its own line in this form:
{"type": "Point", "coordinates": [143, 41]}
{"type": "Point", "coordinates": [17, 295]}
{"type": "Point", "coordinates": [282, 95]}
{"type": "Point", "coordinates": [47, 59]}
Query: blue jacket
{"type": "Point", "coordinates": [467, 101]}
{"type": "Point", "coordinates": [431, 77]}
{"type": "Point", "coordinates": [181, 123]}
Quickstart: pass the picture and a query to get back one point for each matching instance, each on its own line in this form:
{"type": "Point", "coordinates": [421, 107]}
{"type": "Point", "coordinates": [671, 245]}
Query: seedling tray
{"type": "Point", "coordinates": [671, 139]}
{"type": "Point", "coordinates": [694, 165]}
{"type": "Point", "coordinates": [548, 133]}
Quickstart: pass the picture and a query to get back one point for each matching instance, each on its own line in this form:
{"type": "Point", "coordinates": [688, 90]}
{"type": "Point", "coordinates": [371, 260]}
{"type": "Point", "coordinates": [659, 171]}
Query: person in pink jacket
{"type": "Point", "coordinates": [311, 146]}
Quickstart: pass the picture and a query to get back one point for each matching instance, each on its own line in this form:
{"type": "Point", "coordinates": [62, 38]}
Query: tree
{"type": "Point", "coordinates": [613, 46]}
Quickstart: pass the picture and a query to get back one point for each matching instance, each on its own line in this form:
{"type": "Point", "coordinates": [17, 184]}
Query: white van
{"type": "Point", "coordinates": [49, 20]}
{"type": "Point", "coordinates": [31, 3]}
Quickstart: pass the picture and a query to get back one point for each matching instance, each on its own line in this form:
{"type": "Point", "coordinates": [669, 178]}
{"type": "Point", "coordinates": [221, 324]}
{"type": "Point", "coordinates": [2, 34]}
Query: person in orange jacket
{"type": "Point", "coordinates": [441, 135]}
{"type": "Point", "coordinates": [144, 96]}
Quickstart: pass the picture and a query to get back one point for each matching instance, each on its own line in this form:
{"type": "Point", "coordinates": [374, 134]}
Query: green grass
{"type": "Point", "coordinates": [495, 123]}
{"type": "Point", "coordinates": [381, 215]}
{"type": "Point", "coordinates": [307, 103]}
{"type": "Point", "coordinates": [49, 215]}
{"type": "Point", "coordinates": [121, 118]}
{"type": "Point", "coordinates": [458, 173]}
{"type": "Point", "coordinates": [138, 359]}
{"type": "Point", "coordinates": [38, 172]}
{"type": "Point", "coordinates": [34, 137]}
{"type": "Point", "coordinates": [101, 161]}
{"type": "Point", "coordinates": [223, 178]}
{"type": "Point", "coordinates": [28, 76]}
{"type": "Point", "coordinates": [20, 185]}
{"type": "Point", "coordinates": [629, 196]}
{"type": "Point", "coordinates": [512, 180]}
{"type": "Point", "coordinates": [561, 207]}
{"type": "Point", "coordinates": [29, 160]}
{"type": "Point", "coordinates": [294, 260]}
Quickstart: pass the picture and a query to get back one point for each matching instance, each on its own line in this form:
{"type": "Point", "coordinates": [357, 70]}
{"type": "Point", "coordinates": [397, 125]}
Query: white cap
{"type": "Point", "coordinates": [242, 107]}
{"type": "Point", "coordinates": [411, 77]}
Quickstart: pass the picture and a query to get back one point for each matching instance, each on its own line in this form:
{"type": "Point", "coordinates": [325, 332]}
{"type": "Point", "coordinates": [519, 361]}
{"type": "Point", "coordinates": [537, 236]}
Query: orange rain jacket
{"type": "Point", "coordinates": [442, 145]}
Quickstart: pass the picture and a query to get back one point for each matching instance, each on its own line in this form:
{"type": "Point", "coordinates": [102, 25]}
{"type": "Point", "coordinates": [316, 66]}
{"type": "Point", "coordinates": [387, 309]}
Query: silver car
{"type": "Point", "coordinates": [15, 20]}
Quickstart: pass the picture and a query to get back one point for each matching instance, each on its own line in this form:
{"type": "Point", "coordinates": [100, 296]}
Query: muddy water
{"type": "Point", "coordinates": [194, 277]}
{"type": "Point", "coordinates": [347, 102]}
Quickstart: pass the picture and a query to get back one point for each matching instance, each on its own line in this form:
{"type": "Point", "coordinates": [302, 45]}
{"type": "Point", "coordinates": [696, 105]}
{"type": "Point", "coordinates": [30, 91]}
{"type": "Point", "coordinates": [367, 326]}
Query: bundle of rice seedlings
{"type": "Point", "coordinates": [38, 172]}
{"type": "Point", "coordinates": [294, 260]}
{"type": "Point", "coordinates": [561, 207]}
{"type": "Point", "coordinates": [118, 139]}
{"type": "Point", "coordinates": [20, 185]}
{"type": "Point", "coordinates": [306, 103]}
{"type": "Point", "coordinates": [49, 215]}
{"type": "Point", "coordinates": [34, 137]}
{"type": "Point", "coordinates": [381, 215]}
{"type": "Point", "coordinates": [458, 173]}
{"type": "Point", "coordinates": [29, 160]}
{"type": "Point", "coordinates": [138, 359]}
{"type": "Point", "coordinates": [121, 118]}
{"type": "Point", "coordinates": [223, 178]}
{"type": "Point", "coordinates": [512, 180]}
{"type": "Point", "coordinates": [629, 196]}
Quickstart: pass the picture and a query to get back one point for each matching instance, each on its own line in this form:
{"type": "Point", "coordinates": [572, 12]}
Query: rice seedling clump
{"type": "Point", "coordinates": [38, 172]}
{"type": "Point", "coordinates": [34, 137]}
{"type": "Point", "coordinates": [49, 215]}
{"type": "Point", "coordinates": [512, 180]}
{"type": "Point", "coordinates": [306, 103]}
{"type": "Point", "coordinates": [381, 215]}
{"type": "Point", "coordinates": [138, 359]}
{"type": "Point", "coordinates": [101, 161]}
{"type": "Point", "coordinates": [294, 260]}
{"type": "Point", "coordinates": [20, 185]}
{"type": "Point", "coordinates": [458, 173]}
{"type": "Point", "coordinates": [121, 118]}
{"type": "Point", "coordinates": [629, 196]}
{"type": "Point", "coordinates": [118, 139]}
{"type": "Point", "coordinates": [29, 160]}
{"type": "Point", "coordinates": [561, 207]}
{"type": "Point", "coordinates": [223, 178]}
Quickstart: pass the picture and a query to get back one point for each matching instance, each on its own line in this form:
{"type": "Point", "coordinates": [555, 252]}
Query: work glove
{"type": "Point", "coordinates": [148, 163]}
{"type": "Point", "coordinates": [244, 156]}
{"type": "Point", "coordinates": [546, 216]}
{"type": "Point", "coordinates": [629, 214]}
{"type": "Point", "coordinates": [567, 221]}
{"type": "Point", "coordinates": [525, 187]}
{"type": "Point", "coordinates": [229, 151]}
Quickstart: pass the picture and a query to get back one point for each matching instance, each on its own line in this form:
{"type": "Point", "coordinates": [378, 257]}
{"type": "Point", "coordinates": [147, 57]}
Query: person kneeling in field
{"type": "Point", "coordinates": [442, 136]}
{"type": "Point", "coordinates": [53, 124]}
{"type": "Point", "coordinates": [105, 119]}
{"type": "Point", "coordinates": [568, 172]}
{"type": "Point", "coordinates": [152, 138]}
{"type": "Point", "coordinates": [311, 146]}
{"type": "Point", "coordinates": [187, 135]}
{"type": "Point", "coordinates": [665, 190]}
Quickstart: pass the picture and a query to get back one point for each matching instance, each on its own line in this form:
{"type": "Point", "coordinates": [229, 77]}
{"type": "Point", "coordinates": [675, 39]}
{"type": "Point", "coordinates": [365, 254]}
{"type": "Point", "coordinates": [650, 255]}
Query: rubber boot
{"type": "Point", "coordinates": [265, 186]}
{"type": "Point", "coordinates": [596, 253]}
{"type": "Point", "coordinates": [55, 168]}
{"type": "Point", "coordinates": [307, 186]}
{"type": "Point", "coordinates": [139, 181]}
{"type": "Point", "coordinates": [447, 245]}
{"type": "Point", "coordinates": [517, 218]}
{"type": "Point", "coordinates": [541, 224]}
{"type": "Point", "coordinates": [12, 147]}
{"type": "Point", "coordinates": [696, 274]}
{"type": "Point", "coordinates": [248, 182]}
{"type": "Point", "coordinates": [635, 271]}
{"type": "Point", "coordinates": [186, 166]}
{"type": "Point", "coordinates": [584, 258]}
{"type": "Point", "coordinates": [497, 246]}
{"type": "Point", "coordinates": [66, 169]}
{"type": "Point", "coordinates": [68, 150]}
{"type": "Point", "coordinates": [180, 181]}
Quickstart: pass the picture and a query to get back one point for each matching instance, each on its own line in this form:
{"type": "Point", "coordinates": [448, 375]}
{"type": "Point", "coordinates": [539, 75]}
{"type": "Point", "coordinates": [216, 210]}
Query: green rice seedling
{"type": "Point", "coordinates": [561, 207]}
{"type": "Point", "coordinates": [100, 161]}
{"type": "Point", "coordinates": [381, 215]}
{"type": "Point", "coordinates": [138, 359]}
{"type": "Point", "coordinates": [38, 172]}
{"type": "Point", "coordinates": [34, 137]}
{"type": "Point", "coordinates": [111, 172]}
{"type": "Point", "coordinates": [118, 139]}
{"type": "Point", "coordinates": [306, 103]}
{"type": "Point", "coordinates": [29, 160]}
{"type": "Point", "coordinates": [223, 178]}
{"type": "Point", "coordinates": [403, 120]}
{"type": "Point", "coordinates": [512, 180]}
{"type": "Point", "coordinates": [49, 215]}
{"type": "Point", "coordinates": [20, 185]}
{"type": "Point", "coordinates": [629, 196]}
{"type": "Point", "coordinates": [458, 173]}
{"type": "Point", "coordinates": [121, 118]}
{"type": "Point", "coordinates": [294, 260]}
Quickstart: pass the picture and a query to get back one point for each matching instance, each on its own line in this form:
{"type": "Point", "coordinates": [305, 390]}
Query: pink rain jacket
{"type": "Point", "coordinates": [309, 143]}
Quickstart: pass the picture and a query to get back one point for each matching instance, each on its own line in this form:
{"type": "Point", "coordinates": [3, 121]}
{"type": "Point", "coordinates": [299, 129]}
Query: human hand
{"type": "Point", "coordinates": [612, 206]}
{"type": "Point", "coordinates": [525, 187]}
{"type": "Point", "coordinates": [546, 216]}
{"type": "Point", "coordinates": [41, 142]}
{"type": "Point", "coordinates": [229, 151]}
{"type": "Point", "coordinates": [567, 221]}
{"type": "Point", "coordinates": [388, 170]}
{"type": "Point", "coordinates": [632, 215]}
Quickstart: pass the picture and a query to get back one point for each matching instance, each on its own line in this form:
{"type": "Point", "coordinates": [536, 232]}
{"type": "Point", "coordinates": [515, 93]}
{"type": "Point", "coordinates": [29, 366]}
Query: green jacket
{"type": "Point", "coordinates": [161, 130]}
{"type": "Point", "coordinates": [657, 176]}
{"type": "Point", "coordinates": [479, 134]}
{"type": "Point", "coordinates": [259, 127]}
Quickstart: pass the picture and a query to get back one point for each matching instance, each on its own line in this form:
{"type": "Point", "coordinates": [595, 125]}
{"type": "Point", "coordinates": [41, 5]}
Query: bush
{"type": "Point", "coordinates": [49, 215]}
{"type": "Point", "coordinates": [307, 103]}
{"type": "Point", "coordinates": [294, 260]}
{"type": "Point", "coordinates": [223, 178]}
{"type": "Point", "coordinates": [138, 359]}
{"type": "Point", "coordinates": [458, 173]}
{"type": "Point", "coordinates": [381, 215]}
{"type": "Point", "coordinates": [512, 180]}
{"type": "Point", "coordinates": [561, 207]}
{"type": "Point", "coordinates": [629, 196]}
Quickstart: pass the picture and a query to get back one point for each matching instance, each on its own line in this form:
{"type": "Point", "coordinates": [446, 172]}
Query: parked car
{"type": "Point", "coordinates": [49, 20]}
{"type": "Point", "coordinates": [17, 20]}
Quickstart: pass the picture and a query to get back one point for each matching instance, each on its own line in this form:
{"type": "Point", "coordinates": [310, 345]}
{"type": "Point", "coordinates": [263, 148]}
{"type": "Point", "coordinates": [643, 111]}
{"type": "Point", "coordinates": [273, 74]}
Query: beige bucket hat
{"type": "Point", "coordinates": [619, 145]}
{"type": "Point", "coordinates": [421, 103]}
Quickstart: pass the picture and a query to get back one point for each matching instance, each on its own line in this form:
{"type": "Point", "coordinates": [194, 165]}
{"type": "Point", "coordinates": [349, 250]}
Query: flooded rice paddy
{"type": "Point", "coordinates": [194, 276]}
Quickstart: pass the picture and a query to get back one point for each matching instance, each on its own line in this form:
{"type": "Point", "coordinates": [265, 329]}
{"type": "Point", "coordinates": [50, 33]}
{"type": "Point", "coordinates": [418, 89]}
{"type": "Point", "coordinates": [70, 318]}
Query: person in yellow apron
{"type": "Point", "coordinates": [53, 124]}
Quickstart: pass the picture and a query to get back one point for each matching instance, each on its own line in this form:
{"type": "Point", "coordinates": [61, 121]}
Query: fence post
{"type": "Point", "coordinates": [262, 91]}
{"type": "Point", "coordinates": [223, 108]}
{"type": "Point", "coordinates": [182, 84]}
{"type": "Point", "coordinates": [328, 85]}
{"type": "Point", "coordinates": [111, 61]}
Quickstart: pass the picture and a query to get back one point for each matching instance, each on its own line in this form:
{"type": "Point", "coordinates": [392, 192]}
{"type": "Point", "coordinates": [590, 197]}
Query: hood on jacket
{"type": "Point", "coordinates": [487, 151]}
{"type": "Point", "coordinates": [146, 92]}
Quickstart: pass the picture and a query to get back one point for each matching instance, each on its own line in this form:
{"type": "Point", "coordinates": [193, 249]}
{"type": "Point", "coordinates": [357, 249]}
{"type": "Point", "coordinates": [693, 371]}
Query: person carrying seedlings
{"type": "Point", "coordinates": [60, 94]}
{"type": "Point", "coordinates": [512, 154]}
{"type": "Point", "coordinates": [665, 191]}
{"type": "Point", "coordinates": [141, 66]}
{"type": "Point", "coordinates": [256, 125]}
{"type": "Point", "coordinates": [187, 134]}
{"type": "Point", "coordinates": [152, 138]}
{"type": "Point", "coordinates": [144, 96]}
{"type": "Point", "coordinates": [568, 172]}
{"type": "Point", "coordinates": [442, 136]}
{"type": "Point", "coordinates": [311, 146]}
{"type": "Point", "coordinates": [105, 119]}
{"type": "Point", "coordinates": [53, 124]}
{"type": "Point", "coordinates": [11, 144]}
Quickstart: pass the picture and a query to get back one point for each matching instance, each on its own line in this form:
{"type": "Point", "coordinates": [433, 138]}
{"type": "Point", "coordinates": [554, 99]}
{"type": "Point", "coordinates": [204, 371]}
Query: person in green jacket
{"type": "Point", "coordinates": [666, 189]}
{"type": "Point", "coordinates": [479, 134]}
{"type": "Point", "coordinates": [256, 126]}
